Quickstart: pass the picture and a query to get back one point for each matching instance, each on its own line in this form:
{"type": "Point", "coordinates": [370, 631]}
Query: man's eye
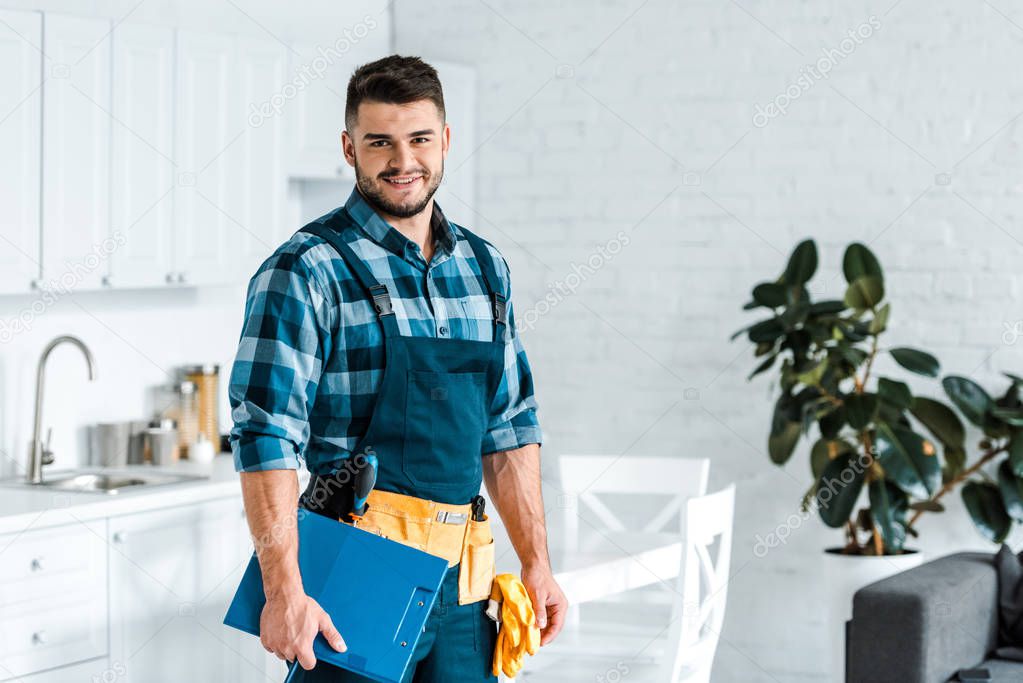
{"type": "Point", "coordinates": [420, 139]}
{"type": "Point", "coordinates": [378, 143]}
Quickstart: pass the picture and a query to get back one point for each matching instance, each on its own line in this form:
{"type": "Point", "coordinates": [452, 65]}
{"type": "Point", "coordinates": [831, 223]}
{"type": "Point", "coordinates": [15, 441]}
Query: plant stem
{"type": "Point", "coordinates": [984, 459]}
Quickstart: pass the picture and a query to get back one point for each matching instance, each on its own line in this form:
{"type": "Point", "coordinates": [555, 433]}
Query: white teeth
{"type": "Point", "coordinates": [403, 182]}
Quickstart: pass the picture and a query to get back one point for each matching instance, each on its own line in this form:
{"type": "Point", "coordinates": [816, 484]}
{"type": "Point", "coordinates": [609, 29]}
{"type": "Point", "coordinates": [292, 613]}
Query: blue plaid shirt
{"type": "Point", "coordinates": [311, 356]}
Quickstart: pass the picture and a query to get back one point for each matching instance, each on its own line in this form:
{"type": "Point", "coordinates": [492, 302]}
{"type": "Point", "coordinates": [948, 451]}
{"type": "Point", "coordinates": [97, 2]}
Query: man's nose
{"type": "Point", "coordinates": [403, 159]}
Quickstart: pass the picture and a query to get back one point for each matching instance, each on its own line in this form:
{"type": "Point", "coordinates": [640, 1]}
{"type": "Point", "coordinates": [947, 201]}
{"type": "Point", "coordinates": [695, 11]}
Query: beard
{"type": "Point", "coordinates": [373, 192]}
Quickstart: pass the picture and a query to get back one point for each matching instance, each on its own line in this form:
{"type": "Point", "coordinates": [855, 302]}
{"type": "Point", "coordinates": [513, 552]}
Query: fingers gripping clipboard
{"type": "Point", "coordinates": [377, 592]}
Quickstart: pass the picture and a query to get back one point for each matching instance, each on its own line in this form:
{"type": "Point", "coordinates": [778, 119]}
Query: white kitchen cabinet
{"type": "Point", "coordinates": [457, 192]}
{"type": "Point", "coordinates": [209, 122]}
{"type": "Point", "coordinates": [172, 574]}
{"type": "Point", "coordinates": [76, 150]}
{"type": "Point", "coordinates": [53, 598]}
{"type": "Point", "coordinates": [257, 197]}
{"type": "Point", "coordinates": [316, 114]}
{"type": "Point", "coordinates": [21, 35]}
{"type": "Point", "coordinates": [94, 671]}
{"type": "Point", "coordinates": [142, 202]}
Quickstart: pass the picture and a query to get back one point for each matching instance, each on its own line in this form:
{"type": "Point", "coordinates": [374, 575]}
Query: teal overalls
{"type": "Point", "coordinates": [427, 430]}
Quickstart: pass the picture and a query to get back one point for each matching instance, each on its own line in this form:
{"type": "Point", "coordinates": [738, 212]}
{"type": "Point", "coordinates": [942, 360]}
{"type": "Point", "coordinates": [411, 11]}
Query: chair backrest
{"type": "Point", "coordinates": [703, 583]}
{"type": "Point", "coordinates": [586, 477]}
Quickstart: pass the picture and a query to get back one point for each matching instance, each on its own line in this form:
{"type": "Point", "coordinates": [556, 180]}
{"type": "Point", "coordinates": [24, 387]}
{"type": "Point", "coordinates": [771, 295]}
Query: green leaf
{"type": "Point", "coordinates": [900, 452]}
{"type": "Point", "coordinates": [769, 294]}
{"type": "Point", "coordinates": [888, 508]}
{"type": "Point", "coordinates": [860, 409]}
{"type": "Point", "coordinates": [880, 322]}
{"type": "Point", "coordinates": [785, 429]}
{"type": "Point", "coordinates": [1011, 490]}
{"type": "Point", "coordinates": [824, 451]}
{"type": "Point", "coordinates": [838, 488]}
{"type": "Point", "coordinates": [955, 461]}
{"type": "Point", "coordinates": [1016, 453]}
{"type": "Point", "coordinates": [829, 307]}
{"type": "Point", "coordinates": [766, 331]}
{"type": "Point", "coordinates": [1011, 416]}
{"type": "Point", "coordinates": [896, 393]}
{"type": "Point", "coordinates": [984, 503]}
{"type": "Point", "coordinates": [802, 264]}
{"type": "Point", "coordinates": [969, 397]}
{"type": "Point", "coordinates": [927, 506]}
{"type": "Point", "coordinates": [920, 362]}
{"type": "Point", "coordinates": [865, 292]}
{"type": "Point", "coordinates": [832, 422]}
{"type": "Point", "coordinates": [858, 262]}
{"type": "Point", "coordinates": [940, 420]}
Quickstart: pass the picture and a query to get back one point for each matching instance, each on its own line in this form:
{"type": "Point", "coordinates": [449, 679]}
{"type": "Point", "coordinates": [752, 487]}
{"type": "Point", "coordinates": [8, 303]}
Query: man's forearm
{"type": "Point", "coordinates": [513, 482]}
{"type": "Point", "coordinates": [270, 504]}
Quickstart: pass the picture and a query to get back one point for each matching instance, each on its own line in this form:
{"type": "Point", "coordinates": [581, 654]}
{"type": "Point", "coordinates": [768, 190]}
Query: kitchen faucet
{"type": "Point", "coordinates": [38, 454]}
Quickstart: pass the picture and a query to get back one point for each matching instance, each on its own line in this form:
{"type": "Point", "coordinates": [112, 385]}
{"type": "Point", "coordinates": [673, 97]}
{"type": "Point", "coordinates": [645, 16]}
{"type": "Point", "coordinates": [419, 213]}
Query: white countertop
{"type": "Point", "coordinates": [23, 508]}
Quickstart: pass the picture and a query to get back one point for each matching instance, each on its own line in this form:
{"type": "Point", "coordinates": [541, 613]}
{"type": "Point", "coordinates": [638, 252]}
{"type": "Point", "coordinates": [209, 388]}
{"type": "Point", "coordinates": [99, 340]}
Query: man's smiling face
{"type": "Point", "coordinates": [398, 151]}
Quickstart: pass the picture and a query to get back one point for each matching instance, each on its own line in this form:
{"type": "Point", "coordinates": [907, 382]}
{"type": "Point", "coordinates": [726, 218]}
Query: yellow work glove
{"type": "Point", "coordinates": [518, 633]}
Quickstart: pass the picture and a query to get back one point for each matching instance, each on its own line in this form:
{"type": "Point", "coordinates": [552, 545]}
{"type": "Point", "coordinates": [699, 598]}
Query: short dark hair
{"type": "Point", "coordinates": [393, 80]}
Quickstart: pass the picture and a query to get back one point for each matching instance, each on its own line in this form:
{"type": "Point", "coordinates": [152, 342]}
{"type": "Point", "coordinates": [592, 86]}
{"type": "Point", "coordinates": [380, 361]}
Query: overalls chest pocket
{"type": "Point", "coordinates": [445, 420]}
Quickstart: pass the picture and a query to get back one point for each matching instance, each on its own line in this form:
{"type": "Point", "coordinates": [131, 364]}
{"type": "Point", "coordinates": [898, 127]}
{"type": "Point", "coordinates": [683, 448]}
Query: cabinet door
{"type": "Point", "coordinates": [143, 167]}
{"type": "Point", "coordinates": [76, 151]}
{"type": "Point", "coordinates": [172, 575]}
{"type": "Point", "coordinates": [21, 35]}
{"type": "Point", "coordinates": [316, 117]}
{"type": "Point", "coordinates": [210, 120]}
{"type": "Point", "coordinates": [258, 193]}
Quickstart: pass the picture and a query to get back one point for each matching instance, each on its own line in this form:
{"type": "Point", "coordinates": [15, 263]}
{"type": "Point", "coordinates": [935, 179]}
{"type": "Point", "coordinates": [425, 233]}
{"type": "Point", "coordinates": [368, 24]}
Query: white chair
{"type": "Point", "coordinates": [698, 592]}
{"type": "Point", "coordinates": [624, 521]}
{"type": "Point", "coordinates": [696, 625]}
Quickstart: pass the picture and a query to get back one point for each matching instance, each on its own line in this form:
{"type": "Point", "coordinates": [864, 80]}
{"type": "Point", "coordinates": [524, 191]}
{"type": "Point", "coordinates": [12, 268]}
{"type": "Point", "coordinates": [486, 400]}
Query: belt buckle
{"type": "Point", "coordinates": [447, 517]}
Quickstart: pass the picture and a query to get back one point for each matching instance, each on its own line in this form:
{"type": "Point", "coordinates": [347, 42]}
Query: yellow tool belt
{"type": "Point", "coordinates": [440, 529]}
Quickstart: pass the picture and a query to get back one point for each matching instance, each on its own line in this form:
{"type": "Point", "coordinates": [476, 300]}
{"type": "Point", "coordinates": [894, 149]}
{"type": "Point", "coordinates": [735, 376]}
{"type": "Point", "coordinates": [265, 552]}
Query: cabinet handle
{"type": "Point", "coordinates": [105, 280]}
{"type": "Point", "coordinates": [39, 638]}
{"type": "Point", "coordinates": [170, 278]}
{"type": "Point", "coordinates": [181, 278]}
{"type": "Point", "coordinates": [120, 537]}
{"type": "Point", "coordinates": [35, 283]}
{"type": "Point", "coordinates": [37, 564]}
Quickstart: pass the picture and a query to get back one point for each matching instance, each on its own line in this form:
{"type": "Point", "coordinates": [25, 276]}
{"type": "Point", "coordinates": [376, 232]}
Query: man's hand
{"type": "Point", "coordinates": [289, 625]}
{"type": "Point", "coordinates": [549, 602]}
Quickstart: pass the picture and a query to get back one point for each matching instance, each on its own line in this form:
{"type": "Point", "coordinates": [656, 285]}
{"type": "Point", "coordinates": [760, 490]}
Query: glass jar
{"type": "Point", "coordinates": [206, 381]}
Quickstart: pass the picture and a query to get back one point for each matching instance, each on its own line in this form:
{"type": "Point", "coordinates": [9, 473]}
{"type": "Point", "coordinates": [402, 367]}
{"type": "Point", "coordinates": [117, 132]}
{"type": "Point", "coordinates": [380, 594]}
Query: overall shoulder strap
{"type": "Point", "coordinates": [498, 305]}
{"type": "Point", "coordinates": [330, 232]}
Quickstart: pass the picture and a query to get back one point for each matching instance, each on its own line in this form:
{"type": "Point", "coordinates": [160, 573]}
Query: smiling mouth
{"type": "Point", "coordinates": [403, 182]}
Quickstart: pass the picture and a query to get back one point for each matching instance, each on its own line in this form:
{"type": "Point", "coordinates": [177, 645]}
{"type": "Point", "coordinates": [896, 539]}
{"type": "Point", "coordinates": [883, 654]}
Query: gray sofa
{"type": "Point", "coordinates": [925, 624]}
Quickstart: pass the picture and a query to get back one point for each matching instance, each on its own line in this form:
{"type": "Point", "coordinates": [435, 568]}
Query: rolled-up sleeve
{"type": "Point", "coordinates": [513, 415]}
{"type": "Point", "coordinates": [285, 338]}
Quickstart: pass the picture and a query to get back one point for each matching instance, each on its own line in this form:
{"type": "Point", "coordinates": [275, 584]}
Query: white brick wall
{"type": "Point", "coordinates": [658, 90]}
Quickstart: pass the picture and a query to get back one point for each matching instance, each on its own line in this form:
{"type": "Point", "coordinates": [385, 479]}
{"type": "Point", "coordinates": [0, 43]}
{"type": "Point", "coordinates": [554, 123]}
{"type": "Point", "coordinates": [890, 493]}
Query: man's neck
{"type": "Point", "coordinates": [415, 228]}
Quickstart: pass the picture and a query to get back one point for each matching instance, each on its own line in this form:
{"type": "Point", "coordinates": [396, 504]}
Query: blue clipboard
{"type": "Point", "coordinates": [378, 593]}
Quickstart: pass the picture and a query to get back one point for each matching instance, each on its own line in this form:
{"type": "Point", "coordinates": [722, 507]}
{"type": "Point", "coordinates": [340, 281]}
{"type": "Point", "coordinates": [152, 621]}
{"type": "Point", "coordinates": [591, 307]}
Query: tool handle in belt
{"type": "Point", "coordinates": [365, 479]}
{"type": "Point", "coordinates": [479, 504]}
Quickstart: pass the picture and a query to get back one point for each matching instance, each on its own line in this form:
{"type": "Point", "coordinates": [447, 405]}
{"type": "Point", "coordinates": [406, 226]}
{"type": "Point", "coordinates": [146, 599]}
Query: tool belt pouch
{"type": "Point", "coordinates": [417, 523]}
{"type": "Point", "coordinates": [476, 567]}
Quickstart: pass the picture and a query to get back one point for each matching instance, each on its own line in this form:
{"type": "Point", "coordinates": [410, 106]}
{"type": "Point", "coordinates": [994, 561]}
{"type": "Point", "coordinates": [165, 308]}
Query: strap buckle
{"type": "Point", "coordinates": [498, 306]}
{"type": "Point", "coordinates": [447, 517]}
{"type": "Point", "coordinates": [381, 300]}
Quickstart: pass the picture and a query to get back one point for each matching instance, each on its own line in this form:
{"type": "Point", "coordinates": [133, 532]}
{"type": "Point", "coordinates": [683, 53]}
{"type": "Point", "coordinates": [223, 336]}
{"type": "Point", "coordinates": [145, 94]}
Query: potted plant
{"type": "Point", "coordinates": [870, 434]}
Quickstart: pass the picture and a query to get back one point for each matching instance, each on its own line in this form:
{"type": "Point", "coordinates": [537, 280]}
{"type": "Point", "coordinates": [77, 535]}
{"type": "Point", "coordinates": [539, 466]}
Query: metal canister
{"type": "Point", "coordinates": [206, 379]}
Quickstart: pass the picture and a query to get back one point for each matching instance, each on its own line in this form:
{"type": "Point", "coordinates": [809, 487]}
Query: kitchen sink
{"type": "Point", "coordinates": [105, 481]}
